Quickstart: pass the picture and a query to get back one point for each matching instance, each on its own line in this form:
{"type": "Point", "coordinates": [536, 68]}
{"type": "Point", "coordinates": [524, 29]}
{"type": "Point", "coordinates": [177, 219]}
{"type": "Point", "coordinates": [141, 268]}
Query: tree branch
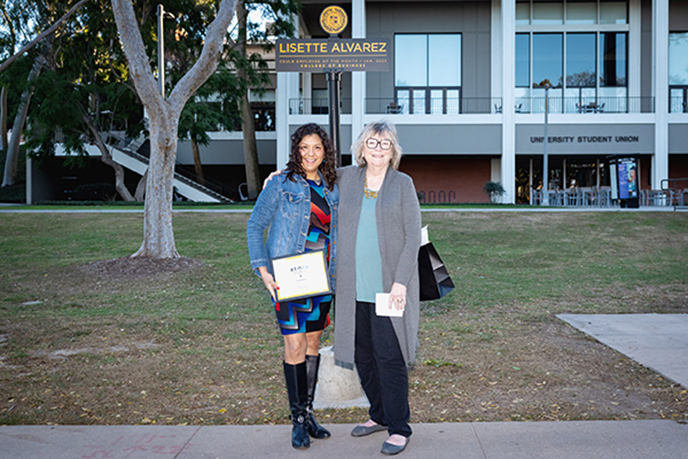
{"type": "Point", "coordinates": [135, 51]}
{"type": "Point", "coordinates": [41, 36]}
{"type": "Point", "coordinates": [206, 64]}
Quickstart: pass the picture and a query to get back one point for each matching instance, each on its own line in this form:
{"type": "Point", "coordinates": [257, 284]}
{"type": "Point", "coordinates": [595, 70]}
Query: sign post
{"type": "Point", "coordinates": [334, 81]}
{"type": "Point", "coordinates": [333, 56]}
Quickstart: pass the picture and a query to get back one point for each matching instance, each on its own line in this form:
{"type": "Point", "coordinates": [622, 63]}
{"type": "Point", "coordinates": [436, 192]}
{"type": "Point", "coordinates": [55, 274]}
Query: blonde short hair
{"type": "Point", "coordinates": [383, 128]}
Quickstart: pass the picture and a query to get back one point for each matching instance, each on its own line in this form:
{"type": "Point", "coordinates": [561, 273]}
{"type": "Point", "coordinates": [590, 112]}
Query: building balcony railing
{"type": "Point", "coordinates": [590, 105]}
{"type": "Point", "coordinates": [482, 105]}
{"type": "Point", "coordinates": [678, 104]}
{"type": "Point", "coordinates": [433, 106]}
{"type": "Point", "coordinates": [317, 106]}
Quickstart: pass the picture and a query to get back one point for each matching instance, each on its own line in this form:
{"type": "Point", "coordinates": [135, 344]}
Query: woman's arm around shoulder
{"type": "Point", "coordinates": [346, 171]}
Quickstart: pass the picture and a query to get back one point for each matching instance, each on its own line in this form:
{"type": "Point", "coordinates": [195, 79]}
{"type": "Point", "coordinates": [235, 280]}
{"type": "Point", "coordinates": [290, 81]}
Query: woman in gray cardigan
{"type": "Point", "coordinates": [378, 240]}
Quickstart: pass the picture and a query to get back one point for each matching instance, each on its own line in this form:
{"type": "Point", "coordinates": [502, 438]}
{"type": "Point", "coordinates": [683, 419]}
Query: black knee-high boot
{"type": "Point", "coordinates": [297, 388]}
{"type": "Point", "coordinates": [314, 429]}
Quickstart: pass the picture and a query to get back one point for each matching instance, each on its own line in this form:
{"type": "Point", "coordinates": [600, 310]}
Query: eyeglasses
{"type": "Point", "coordinates": [373, 143]}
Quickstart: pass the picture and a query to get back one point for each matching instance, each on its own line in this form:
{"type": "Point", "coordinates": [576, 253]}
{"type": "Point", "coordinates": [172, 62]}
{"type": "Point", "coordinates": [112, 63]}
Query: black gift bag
{"type": "Point", "coordinates": [434, 278]}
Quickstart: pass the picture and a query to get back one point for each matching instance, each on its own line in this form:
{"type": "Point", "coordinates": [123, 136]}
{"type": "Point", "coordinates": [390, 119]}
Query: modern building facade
{"type": "Point", "coordinates": [466, 91]}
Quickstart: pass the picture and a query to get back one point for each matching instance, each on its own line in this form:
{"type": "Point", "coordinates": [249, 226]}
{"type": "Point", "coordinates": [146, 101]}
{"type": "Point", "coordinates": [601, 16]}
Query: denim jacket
{"type": "Point", "coordinates": [285, 207]}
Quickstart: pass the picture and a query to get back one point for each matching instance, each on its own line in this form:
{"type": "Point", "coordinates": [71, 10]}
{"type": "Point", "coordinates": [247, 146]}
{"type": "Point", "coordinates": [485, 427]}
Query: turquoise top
{"type": "Point", "coordinates": [368, 260]}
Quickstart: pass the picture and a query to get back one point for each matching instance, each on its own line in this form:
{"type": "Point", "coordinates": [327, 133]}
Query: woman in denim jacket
{"type": "Point", "coordinates": [300, 209]}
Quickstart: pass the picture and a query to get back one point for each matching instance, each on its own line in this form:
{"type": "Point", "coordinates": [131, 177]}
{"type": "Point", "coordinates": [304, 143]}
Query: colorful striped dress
{"type": "Point", "coordinates": [311, 314]}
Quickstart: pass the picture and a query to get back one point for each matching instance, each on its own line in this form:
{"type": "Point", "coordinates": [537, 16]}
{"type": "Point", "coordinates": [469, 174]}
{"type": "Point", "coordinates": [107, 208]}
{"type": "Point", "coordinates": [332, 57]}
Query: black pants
{"type": "Point", "coordinates": [382, 370]}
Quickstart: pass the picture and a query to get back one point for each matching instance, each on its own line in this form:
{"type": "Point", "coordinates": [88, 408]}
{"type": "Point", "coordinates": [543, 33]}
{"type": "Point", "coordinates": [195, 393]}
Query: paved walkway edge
{"type": "Point", "coordinates": [658, 439]}
{"type": "Point", "coordinates": [656, 341]}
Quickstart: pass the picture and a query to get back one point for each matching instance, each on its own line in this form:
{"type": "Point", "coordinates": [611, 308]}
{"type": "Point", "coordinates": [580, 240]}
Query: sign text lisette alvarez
{"type": "Point", "coordinates": [320, 55]}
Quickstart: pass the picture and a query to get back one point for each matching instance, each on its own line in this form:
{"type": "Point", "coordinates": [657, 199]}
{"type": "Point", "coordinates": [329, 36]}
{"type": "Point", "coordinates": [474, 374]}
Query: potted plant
{"type": "Point", "coordinates": [495, 190]}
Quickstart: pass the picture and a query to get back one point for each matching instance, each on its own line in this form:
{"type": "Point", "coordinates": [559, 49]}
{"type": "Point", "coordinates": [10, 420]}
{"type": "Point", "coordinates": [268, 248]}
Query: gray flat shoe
{"type": "Point", "coordinates": [362, 431]}
{"type": "Point", "coordinates": [390, 449]}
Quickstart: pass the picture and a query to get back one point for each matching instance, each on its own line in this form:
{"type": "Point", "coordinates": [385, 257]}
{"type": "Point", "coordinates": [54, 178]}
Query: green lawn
{"type": "Point", "coordinates": [82, 344]}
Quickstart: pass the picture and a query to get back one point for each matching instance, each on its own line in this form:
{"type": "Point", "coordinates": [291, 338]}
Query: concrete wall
{"type": "Point", "coordinates": [471, 19]}
{"type": "Point", "coordinates": [678, 138]}
{"type": "Point", "coordinates": [434, 139]}
{"type": "Point", "coordinates": [604, 139]}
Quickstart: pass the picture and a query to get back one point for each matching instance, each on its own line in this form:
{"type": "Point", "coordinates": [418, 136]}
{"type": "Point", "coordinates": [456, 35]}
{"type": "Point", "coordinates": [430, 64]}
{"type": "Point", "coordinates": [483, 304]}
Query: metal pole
{"type": "Point", "coordinates": [545, 159]}
{"type": "Point", "coordinates": [161, 50]}
{"type": "Point", "coordinates": [334, 79]}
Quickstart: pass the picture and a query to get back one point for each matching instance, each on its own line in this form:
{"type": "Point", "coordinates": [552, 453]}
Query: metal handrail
{"type": "Point", "coordinates": [587, 105]}
{"type": "Point", "coordinates": [316, 106]}
{"type": "Point", "coordinates": [665, 184]}
{"type": "Point", "coordinates": [433, 106]}
{"type": "Point", "coordinates": [212, 189]}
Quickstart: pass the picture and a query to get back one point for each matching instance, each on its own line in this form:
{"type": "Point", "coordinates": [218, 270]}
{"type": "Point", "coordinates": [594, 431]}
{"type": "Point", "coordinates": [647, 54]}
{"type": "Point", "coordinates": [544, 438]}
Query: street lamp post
{"type": "Point", "coordinates": [545, 159]}
{"type": "Point", "coordinates": [161, 47]}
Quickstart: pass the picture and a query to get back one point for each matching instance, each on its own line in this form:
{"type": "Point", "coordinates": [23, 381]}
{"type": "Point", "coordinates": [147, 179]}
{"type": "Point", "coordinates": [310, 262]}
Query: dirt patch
{"type": "Point", "coordinates": [136, 268]}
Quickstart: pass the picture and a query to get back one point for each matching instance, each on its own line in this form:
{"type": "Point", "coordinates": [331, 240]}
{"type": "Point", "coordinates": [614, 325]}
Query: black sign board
{"type": "Point", "coordinates": [625, 181]}
{"type": "Point", "coordinates": [362, 54]}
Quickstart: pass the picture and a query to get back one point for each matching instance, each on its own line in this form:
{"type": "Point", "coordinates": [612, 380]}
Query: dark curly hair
{"type": "Point", "coordinates": [328, 168]}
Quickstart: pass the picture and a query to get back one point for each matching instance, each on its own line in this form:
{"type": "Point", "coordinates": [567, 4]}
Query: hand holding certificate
{"type": "Point", "coordinates": [383, 307]}
{"type": "Point", "coordinates": [391, 304]}
{"type": "Point", "coordinates": [299, 276]}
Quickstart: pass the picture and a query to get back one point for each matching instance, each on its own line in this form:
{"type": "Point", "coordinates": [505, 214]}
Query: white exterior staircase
{"type": "Point", "coordinates": [129, 157]}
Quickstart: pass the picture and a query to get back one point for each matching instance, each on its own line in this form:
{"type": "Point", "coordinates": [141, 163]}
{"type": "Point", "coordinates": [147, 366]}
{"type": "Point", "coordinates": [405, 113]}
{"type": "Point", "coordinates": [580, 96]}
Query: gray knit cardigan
{"type": "Point", "coordinates": [398, 227]}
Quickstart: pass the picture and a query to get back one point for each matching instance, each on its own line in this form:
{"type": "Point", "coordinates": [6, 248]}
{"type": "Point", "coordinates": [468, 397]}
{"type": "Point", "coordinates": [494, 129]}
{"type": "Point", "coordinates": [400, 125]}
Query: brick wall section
{"type": "Point", "coordinates": [464, 175]}
{"type": "Point", "coordinates": [678, 167]}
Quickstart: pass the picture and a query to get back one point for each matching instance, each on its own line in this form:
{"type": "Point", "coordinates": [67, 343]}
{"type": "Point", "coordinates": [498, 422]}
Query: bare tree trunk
{"type": "Point", "coordinates": [106, 157]}
{"type": "Point", "coordinates": [250, 149]}
{"type": "Point", "coordinates": [158, 236]}
{"type": "Point", "coordinates": [140, 193]}
{"type": "Point", "coordinates": [198, 167]}
{"type": "Point", "coordinates": [158, 240]}
{"type": "Point", "coordinates": [248, 127]}
{"type": "Point", "coordinates": [3, 117]}
{"type": "Point", "coordinates": [10, 176]}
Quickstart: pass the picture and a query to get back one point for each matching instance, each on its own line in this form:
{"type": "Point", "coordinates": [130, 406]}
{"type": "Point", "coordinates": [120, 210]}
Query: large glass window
{"type": "Point", "coordinates": [548, 56]}
{"type": "Point", "coordinates": [444, 60]}
{"type": "Point", "coordinates": [580, 60]}
{"type": "Point", "coordinates": [581, 77]}
{"type": "Point", "coordinates": [427, 73]}
{"type": "Point", "coordinates": [612, 59]}
{"type": "Point", "coordinates": [410, 60]}
{"type": "Point", "coordinates": [583, 55]}
{"type": "Point", "coordinates": [522, 60]}
{"type": "Point", "coordinates": [678, 72]}
{"type": "Point", "coordinates": [678, 58]}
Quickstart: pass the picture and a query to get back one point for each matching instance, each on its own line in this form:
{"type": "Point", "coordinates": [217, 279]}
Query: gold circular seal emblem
{"type": "Point", "coordinates": [333, 19]}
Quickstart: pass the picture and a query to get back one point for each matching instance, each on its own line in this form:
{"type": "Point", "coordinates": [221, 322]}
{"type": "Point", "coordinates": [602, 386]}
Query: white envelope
{"type": "Point", "coordinates": [382, 306]}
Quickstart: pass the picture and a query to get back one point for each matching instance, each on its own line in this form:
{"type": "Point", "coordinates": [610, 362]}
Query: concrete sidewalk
{"type": "Point", "coordinates": [656, 341]}
{"type": "Point", "coordinates": [508, 440]}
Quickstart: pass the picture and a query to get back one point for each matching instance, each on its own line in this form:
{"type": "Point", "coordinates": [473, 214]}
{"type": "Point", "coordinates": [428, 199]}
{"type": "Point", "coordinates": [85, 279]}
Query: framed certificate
{"type": "Point", "coordinates": [301, 276]}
